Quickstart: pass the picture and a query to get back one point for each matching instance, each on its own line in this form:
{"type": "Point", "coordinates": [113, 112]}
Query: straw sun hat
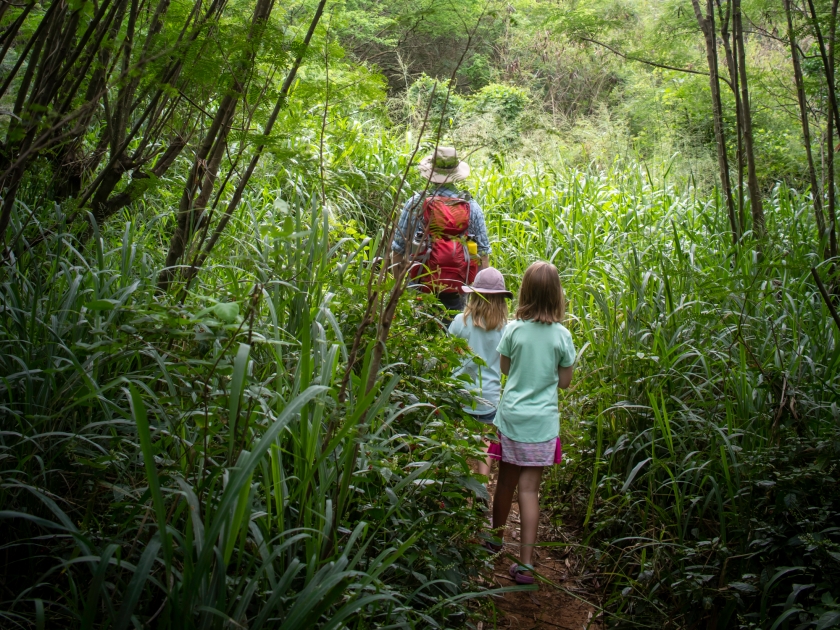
{"type": "Point", "coordinates": [443, 166]}
{"type": "Point", "coordinates": [489, 280]}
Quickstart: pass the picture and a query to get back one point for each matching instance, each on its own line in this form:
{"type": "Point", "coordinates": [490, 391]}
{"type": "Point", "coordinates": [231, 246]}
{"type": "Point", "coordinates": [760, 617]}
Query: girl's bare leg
{"type": "Point", "coordinates": [529, 509]}
{"type": "Point", "coordinates": [505, 487]}
{"type": "Point", "coordinates": [483, 465]}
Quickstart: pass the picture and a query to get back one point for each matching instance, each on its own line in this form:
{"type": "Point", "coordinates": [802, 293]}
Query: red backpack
{"type": "Point", "coordinates": [445, 265]}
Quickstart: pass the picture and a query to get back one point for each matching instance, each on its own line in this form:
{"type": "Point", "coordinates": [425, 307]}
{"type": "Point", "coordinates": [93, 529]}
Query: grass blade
{"type": "Point", "coordinates": [138, 409]}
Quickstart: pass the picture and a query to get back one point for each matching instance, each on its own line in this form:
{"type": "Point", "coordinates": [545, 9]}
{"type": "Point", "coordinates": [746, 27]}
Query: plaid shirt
{"type": "Point", "coordinates": [411, 221]}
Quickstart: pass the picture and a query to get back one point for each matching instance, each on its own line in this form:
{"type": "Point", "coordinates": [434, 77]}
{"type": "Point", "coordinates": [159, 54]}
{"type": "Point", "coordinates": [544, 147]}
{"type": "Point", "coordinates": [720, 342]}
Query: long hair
{"type": "Point", "coordinates": [541, 296]}
{"type": "Point", "coordinates": [488, 310]}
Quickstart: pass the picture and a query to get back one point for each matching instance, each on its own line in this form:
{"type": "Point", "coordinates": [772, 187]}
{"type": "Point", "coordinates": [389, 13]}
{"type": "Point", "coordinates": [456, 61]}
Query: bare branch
{"type": "Point", "coordinates": [649, 62]}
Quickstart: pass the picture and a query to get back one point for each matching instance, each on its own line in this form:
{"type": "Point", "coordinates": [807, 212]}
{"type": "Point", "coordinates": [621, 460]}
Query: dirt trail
{"type": "Point", "coordinates": [551, 606]}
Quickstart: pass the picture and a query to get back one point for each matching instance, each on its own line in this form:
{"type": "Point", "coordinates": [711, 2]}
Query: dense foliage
{"type": "Point", "coordinates": [704, 416]}
{"type": "Point", "coordinates": [200, 448]}
{"type": "Point", "coordinates": [219, 410]}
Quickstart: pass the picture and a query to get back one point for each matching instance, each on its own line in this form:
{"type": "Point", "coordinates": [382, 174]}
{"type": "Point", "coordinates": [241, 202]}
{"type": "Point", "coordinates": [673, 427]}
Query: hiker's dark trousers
{"type": "Point", "coordinates": [453, 301]}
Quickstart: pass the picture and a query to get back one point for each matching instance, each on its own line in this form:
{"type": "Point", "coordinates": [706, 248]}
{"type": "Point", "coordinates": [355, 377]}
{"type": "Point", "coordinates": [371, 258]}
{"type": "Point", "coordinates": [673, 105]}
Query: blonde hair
{"type": "Point", "coordinates": [541, 296]}
{"type": "Point", "coordinates": [488, 310]}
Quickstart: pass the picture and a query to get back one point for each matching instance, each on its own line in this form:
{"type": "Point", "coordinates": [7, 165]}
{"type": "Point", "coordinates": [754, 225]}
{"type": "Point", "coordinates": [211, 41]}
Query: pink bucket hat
{"type": "Point", "coordinates": [489, 280]}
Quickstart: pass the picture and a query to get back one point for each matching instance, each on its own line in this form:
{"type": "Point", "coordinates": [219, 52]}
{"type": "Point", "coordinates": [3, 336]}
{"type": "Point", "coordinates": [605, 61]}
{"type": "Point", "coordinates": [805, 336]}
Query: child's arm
{"type": "Point", "coordinates": [565, 374]}
{"type": "Point", "coordinates": [504, 364]}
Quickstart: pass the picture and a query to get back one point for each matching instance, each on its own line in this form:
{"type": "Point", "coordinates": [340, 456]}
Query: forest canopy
{"type": "Point", "coordinates": [224, 402]}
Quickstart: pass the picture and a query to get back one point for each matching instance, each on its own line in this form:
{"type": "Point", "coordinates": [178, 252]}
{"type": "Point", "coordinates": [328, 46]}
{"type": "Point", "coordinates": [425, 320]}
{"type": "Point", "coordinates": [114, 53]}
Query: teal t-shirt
{"type": "Point", "coordinates": [486, 379]}
{"type": "Point", "coordinates": [528, 408]}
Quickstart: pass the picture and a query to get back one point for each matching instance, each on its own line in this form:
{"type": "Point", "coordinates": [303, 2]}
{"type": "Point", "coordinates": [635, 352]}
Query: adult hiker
{"type": "Point", "coordinates": [441, 231]}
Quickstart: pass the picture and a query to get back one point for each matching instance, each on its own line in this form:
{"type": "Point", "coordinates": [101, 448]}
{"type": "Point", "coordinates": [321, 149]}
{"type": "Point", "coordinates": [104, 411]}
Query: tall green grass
{"type": "Point", "coordinates": [703, 418]}
{"type": "Point", "coordinates": [185, 462]}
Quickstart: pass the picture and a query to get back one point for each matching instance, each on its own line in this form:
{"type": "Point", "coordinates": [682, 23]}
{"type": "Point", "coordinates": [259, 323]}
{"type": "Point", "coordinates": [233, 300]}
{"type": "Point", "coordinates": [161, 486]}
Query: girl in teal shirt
{"type": "Point", "coordinates": [537, 354]}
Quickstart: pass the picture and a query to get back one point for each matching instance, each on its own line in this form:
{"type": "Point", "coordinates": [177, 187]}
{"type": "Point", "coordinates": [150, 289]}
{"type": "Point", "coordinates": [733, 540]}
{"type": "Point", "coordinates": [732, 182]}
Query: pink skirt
{"type": "Point", "coordinates": [545, 453]}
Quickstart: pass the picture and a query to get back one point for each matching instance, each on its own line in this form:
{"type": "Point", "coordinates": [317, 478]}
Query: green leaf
{"type": "Point", "coordinates": [288, 226]}
{"type": "Point", "coordinates": [828, 620]}
{"type": "Point", "coordinates": [138, 581]}
{"type": "Point", "coordinates": [226, 311]}
{"type": "Point", "coordinates": [138, 409]}
{"type": "Point", "coordinates": [477, 488]}
{"type": "Point", "coordinates": [240, 366]}
{"type": "Point", "coordinates": [270, 230]}
{"type": "Point", "coordinates": [238, 513]}
{"type": "Point", "coordinates": [239, 478]}
{"type": "Point", "coordinates": [633, 474]}
{"type": "Point", "coordinates": [101, 305]}
{"type": "Point", "coordinates": [40, 618]}
{"type": "Point", "coordinates": [783, 617]}
{"type": "Point", "coordinates": [97, 587]}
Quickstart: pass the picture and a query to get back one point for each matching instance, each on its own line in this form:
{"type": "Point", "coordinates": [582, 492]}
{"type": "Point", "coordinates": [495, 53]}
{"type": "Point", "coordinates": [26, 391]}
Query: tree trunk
{"type": "Point", "coordinates": [11, 32]}
{"type": "Point", "coordinates": [243, 180]}
{"type": "Point", "coordinates": [756, 208]}
{"type": "Point", "coordinates": [816, 195]}
{"type": "Point", "coordinates": [832, 206]}
{"type": "Point", "coordinates": [833, 122]}
{"type": "Point", "coordinates": [109, 182]}
{"type": "Point", "coordinates": [63, 82]}
{"type": "Point", "coordinates": [829, 184]}
{"type": "Point", "coordinates": [732, 66]}
{"type": "Point", "coordinates": [828, 69]}
{"type": "Point", "coordinates": [50, 51]}
{"type": "Point", "coordinates": [212, 144]}
{"type": "Point", "coordinates": [168, 76]}
{"type": "Point", "coordinates": [141, 182]}
{"type": "Point", "coordinates": [37, 38]}
{"type": "Point", "coordinates": [189, 210]}
{"type": "Point", "coordinates": [707, 26]}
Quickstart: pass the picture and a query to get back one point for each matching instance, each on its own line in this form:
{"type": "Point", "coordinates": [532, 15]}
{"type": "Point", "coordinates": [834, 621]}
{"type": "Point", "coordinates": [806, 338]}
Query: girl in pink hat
{"type": "Point", "coordinates": [481, 325]}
